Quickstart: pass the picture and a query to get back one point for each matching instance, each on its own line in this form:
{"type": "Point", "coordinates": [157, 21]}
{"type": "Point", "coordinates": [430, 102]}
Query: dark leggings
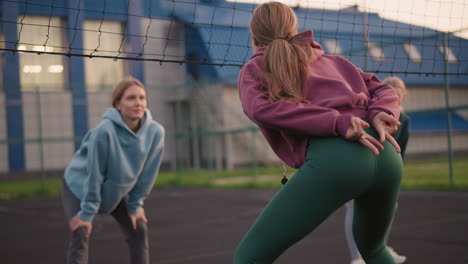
{"type": "Point", "coordinates": [137, 240]}
{"type": "Point", "coordinates": [336, 171]}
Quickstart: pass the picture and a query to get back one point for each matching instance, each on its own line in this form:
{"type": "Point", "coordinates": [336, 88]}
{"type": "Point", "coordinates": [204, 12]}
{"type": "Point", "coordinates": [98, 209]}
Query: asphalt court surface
{"type": "Point", "coordinates": [198, 225]}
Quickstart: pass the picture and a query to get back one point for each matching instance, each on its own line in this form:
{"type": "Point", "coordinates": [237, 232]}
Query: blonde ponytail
{"type": "Point", "coordinates": [287, 56]}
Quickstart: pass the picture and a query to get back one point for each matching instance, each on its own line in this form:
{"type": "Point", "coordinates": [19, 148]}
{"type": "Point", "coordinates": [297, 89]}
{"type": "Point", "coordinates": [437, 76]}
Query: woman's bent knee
{"type": "Point", "coordinates": [78, 247]}
{"type": "Point", "coordinates": [79, 236]}
{"type": "Point", "coordinates": [139, 236]}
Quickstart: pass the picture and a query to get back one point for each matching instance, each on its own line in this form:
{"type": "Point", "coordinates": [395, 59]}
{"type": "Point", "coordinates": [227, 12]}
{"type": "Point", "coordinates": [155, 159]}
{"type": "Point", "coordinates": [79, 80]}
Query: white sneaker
{"type": "Point", "coordinates": [398, 258]}
{"type": "Point", "coordinates": [358, 261]}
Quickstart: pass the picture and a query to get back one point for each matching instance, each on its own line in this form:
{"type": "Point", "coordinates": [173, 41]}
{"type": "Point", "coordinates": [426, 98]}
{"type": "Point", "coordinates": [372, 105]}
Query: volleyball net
{"type": "Point", "coordinates": [382, 38]}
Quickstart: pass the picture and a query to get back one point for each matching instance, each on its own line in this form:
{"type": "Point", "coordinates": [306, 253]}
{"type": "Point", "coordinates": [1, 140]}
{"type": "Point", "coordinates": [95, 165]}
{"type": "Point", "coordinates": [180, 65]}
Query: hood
{"type": "Point", "coordinates": [114, 116]}
{"type": "Point", "coordinates": [307, 36]}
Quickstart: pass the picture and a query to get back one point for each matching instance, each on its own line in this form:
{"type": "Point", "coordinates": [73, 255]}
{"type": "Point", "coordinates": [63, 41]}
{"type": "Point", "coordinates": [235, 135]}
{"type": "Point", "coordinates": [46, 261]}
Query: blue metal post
{"type": "Point", "coordinates": [12, 86]}
{"type": "Point", "coordinates": [76, 71]}
{"type": "Point", "coordinates": [135, 67]}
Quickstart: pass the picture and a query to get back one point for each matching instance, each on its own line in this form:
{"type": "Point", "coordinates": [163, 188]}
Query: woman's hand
{"type": "Point", "coordinates": [139, 215]}
{"type": "Point", "coordinates": [76, 223]}
{"type": "Point", "coordinates": [356, 129]}
{"type": "Point", "coordinates": [386, 125]}
{"type": "Point", "coordinates": [356, 132]}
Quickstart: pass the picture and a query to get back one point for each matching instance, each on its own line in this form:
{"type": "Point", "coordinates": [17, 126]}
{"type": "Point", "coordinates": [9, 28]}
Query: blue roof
{"type": "Point", "coordinates": [216, 32]}
{"type": "Point", "coordinates": [219, 34]}
{"type": "Point", "coordinates": [223, 29]}
{"type": "Point", "coordinates": [218, 45]}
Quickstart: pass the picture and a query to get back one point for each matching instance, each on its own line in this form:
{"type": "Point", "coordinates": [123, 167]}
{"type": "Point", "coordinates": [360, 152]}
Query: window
{"type": "Point", "coordinates": [413, 52]}
{"type": "Point", "coordinates": [45, 71]}
{"type": "Point", "coordinates": [375, 52]}
{"type": "Point", "coordinates": [103, 72]}
{"type": "Point", "coordinates": [449, 56]}
{"type": "Point", "coordinates": [333, 46]}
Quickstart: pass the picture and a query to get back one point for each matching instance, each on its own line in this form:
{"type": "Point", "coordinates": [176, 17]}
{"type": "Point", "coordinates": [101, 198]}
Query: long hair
{"type": "Point", "coordinates": [287, 55]}
{"type": "Point", "coordinates": [398, 85]}
{"type": "Point", "coordinates": [122, 86]}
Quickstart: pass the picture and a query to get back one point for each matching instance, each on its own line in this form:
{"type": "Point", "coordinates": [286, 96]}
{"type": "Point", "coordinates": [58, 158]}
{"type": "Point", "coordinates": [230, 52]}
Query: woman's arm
{"type": "Point", "coordinates": [383, 97]}
{"type": "Point", "coordinates": [97, 168]}
{"type": "Point", "coordinates": [384, 108]}
{"type": "Point", "coordinates": [148, 176]}
{"type": "Point", "coordinates": [295, 118]}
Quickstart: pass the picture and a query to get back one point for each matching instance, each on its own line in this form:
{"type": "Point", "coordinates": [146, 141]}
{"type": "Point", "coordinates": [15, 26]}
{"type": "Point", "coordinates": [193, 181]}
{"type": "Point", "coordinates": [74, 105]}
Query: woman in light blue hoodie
{"type": "Point", "coordinates": [113, 172]}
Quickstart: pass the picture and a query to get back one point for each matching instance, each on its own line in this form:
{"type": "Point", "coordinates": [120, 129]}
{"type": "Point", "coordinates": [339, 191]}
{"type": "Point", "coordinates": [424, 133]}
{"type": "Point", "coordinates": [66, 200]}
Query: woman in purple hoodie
{"type": "Point", "coordinates": [332, 121]}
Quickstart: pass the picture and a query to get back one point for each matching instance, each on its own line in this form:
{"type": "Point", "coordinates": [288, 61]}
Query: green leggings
{"type": "Point", "coordinates": [336, 171]}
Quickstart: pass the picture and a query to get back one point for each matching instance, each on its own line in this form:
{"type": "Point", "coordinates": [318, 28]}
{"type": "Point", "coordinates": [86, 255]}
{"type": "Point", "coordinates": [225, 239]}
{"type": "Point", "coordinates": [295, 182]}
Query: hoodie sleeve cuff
{"type": "Point", "coordinates": [132, 209]}
{"type": "Point", "coordinates": [86, 216]}
{"type": "Point", "coordinates": [342, 124]}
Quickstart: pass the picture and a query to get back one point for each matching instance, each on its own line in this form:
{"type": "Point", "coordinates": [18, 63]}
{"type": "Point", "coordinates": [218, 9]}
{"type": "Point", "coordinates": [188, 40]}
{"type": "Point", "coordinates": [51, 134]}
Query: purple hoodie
{"type": "Point", "coordinates": [336, 89]}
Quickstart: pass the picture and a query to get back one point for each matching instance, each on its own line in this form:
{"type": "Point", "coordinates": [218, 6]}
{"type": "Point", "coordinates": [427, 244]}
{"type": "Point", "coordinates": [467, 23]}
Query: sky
{"type": "Point", "coordinates": [443, 15]}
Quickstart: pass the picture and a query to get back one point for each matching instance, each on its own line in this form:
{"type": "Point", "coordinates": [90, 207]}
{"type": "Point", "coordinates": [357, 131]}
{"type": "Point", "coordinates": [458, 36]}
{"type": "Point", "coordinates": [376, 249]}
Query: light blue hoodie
{"type": "Point", "coordinates": [114, 163]}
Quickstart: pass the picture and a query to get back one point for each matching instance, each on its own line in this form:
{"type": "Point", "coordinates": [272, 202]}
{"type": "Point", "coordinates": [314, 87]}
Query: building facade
{"type": "Point", "coordinates": [60, 60]}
